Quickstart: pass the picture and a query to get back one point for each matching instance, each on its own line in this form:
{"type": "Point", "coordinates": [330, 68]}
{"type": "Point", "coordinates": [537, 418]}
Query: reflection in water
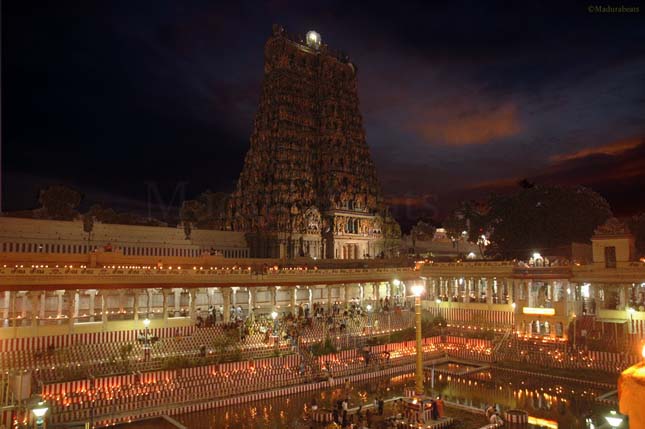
{"type": "Point", "coordinates": [453, 367]}
{"type": "Point", "coordinates": [568, 404]}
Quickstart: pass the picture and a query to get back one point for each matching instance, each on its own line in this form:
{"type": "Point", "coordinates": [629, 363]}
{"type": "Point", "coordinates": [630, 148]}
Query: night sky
{"type": "Point", "coordinates": [459, 100]}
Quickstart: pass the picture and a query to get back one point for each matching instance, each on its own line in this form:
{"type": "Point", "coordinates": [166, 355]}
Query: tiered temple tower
{"type": "Point", "coordinates": [309, 186]}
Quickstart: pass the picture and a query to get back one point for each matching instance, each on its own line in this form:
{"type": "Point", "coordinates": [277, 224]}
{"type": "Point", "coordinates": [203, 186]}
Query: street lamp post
{"type": "Point", "coordinates": [39, 409]}
{"type": "Point", "coordinates": [368, 307]}
{"type": "Point", "coordinates": [614, 419]}
{"type": "Point", "coordinates": [146, 324]}
{"type": "Point", "coordinates": [274, 316]}
{"type": "Point", "coordinates": [630, 328]}
{"type": "Point", "coordinates": [574, 329]}
{"type": "Point", "coordinates": [417, 290]}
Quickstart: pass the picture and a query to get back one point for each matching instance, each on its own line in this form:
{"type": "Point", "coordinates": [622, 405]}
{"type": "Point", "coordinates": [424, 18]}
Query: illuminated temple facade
{"type": "Point", "coordinates": [308, 230]}
{"type": "Point", "coordinates": [309, 186]}
{"type": "Point", "coordinates": [59, 300]}
{"type": "Point", "coordinates": [50, 279]}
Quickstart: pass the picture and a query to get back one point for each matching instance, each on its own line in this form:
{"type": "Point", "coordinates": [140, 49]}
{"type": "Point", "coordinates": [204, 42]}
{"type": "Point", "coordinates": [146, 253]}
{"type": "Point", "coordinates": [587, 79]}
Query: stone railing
{"type": "Point", "coordinates": [197, 275]}
{"type": "Point", "coordinates": [550, 272]}
{"type": "Point", "coordinates": [473, 264]}
{"type": "Point", "coordinates": [625, 272]}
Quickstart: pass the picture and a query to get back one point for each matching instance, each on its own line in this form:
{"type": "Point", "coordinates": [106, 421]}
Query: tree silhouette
{"type": "Point", "coordinates": [88, 224]}
{"type": "Point", "coordinates": [58, 203]}
{"type": "Point", "coordinates": [544, 218]}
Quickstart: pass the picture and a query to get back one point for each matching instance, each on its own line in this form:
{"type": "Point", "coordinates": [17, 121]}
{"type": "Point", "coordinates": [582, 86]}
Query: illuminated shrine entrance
{"type": "Point", "coordinates": [545, 328]}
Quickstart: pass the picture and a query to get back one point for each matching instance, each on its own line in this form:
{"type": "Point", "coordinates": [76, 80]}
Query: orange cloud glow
{"type": "Point", "coordinates": [614, 148]}
{"type": "Point", "coordinates": [411, 201]}
{"type": "Point", "coordinates": [496, 183]}
{"type": "Point", "coordinates": [459, 126]}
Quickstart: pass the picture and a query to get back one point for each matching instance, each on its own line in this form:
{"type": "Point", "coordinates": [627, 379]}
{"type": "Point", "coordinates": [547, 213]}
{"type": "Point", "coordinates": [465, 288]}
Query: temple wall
{"type": "Point", "coordinates": [18, 235]}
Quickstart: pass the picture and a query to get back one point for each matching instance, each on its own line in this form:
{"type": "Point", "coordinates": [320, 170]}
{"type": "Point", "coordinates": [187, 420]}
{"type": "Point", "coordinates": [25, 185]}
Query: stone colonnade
{"type": "Point", "coordinates": [491, 290]}
{"type": "Point", "coordinates": [58, 307]}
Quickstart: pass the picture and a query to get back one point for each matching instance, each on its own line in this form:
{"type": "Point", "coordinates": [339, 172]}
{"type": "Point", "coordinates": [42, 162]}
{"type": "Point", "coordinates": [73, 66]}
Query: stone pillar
{"type": "Point", "coordinates": [104, 308]}
{"type": "Point", "coordinates": [23, 307]}
{"type": "Point", "coordinates": [177, 293]}
{"type": "Point", "coordinates": [294, 300]}
{"type": "Point", "coordinates": [252, 301]}
{"type": "Point", "coordinates": [311, 300]}
{"type": "Point", "coordinates": [92, 295]}
{"type": "Point", "coordinates": [226, 303]}
{"type": "Point", "coordinates": [7, 305]}
{"type": "Point", "coordinates": [376, 293]}
{"type": "Point", "coordinates": [149, 293]}
{"type": "Point", "coordinates": [59, 306]}
{"type": "Point", "coordinates": [34, 298]}
{"type": "Point", "coordinates": [489, 291]}
{"type": "Point", "coordinates": [476, 289]}
{"type": "Point", "coordinates": [135, 304]}
{"type": "Point", "coordinates": [624, 293]}
{"type": "Point", "coordinates": [466, 289]}
{"type": "Point", "coordinates": [77, 304]}
{"type": "Point", "coordinates": [121, 301]}
{"type": "Point", "coordinates": [328, 297]}
{"type": "Point", "coordinates": [12, 310]}
{"type": "Point", "coordinates": [193, 304]}
{"type": "Point", "coordinates": [210, 293]}
{"type": "Point", "coordinates": [71, 306]}
{"type": "Point", "coordinates": [274, 296]}
{"type": "Point", "coordinates": [346, 295]}
{"type": "Point", "coordinates": [164, 305]}
{"type": "Point", "coordinates": [510, 287]}
{"type": "Point", "coordinates": [43, 304]}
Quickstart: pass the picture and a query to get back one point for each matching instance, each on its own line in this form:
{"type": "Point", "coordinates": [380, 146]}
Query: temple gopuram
{"type": "Point", "coordinates": [308, 186]}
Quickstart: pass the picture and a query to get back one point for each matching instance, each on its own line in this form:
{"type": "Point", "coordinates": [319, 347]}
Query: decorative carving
{"type": "Point", "coordinates": [312, 219]}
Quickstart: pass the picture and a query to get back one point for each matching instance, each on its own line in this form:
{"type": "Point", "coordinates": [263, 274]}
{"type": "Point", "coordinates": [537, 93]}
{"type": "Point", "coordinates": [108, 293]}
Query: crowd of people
{"type": "Point", "coordinates": [289, 326]}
